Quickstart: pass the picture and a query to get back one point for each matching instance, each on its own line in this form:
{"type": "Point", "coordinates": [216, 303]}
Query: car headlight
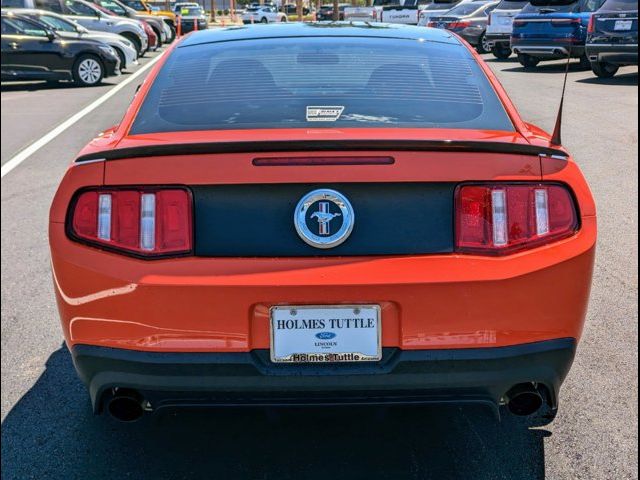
{"type": "Point", "coordinates": [108, 50]}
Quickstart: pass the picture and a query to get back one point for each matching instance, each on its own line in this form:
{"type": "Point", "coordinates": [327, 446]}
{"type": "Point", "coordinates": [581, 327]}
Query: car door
{"type": "Point", "coordinates": [28, 51]}
{"type": "Point", "coordinates": [90, 18]}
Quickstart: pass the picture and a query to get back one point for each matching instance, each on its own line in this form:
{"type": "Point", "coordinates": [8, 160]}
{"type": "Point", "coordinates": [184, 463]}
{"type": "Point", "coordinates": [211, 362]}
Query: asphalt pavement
{"type": "Point", "coordinates": [49, 432]}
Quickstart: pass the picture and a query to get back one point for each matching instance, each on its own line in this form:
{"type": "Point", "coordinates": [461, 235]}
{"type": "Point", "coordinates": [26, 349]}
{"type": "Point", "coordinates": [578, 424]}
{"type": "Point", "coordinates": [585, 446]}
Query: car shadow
{"type": "Point", "coordinates": [51, 433]}
{"type": "Point", "coordinates": [630, 79]}
{"type": "Point", "coordinates": [37, 86]}
{"type": "Point", "coordinates": [552, 67]}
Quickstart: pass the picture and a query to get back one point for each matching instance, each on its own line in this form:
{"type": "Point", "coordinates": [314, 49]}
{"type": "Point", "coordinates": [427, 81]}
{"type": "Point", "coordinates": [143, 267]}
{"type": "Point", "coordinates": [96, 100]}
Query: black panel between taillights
{"type": "Point", "coordinates": [257, 220]}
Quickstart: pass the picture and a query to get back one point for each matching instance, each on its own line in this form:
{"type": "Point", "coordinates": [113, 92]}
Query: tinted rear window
{"type": "Point", "coordinates": [620, 6]}
{"type": "Point", "coordinates": [466, 9]}
{"type": "Point", "coordinates": [320, 82]}
{"type": "Point", "coordinates": [572, 7]}
{"type": "Point", "coordinates": [510, 5]}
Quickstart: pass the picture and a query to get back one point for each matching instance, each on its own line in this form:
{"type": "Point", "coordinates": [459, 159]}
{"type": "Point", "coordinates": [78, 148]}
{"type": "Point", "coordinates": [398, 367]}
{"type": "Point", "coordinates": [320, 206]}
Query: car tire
{"type": "Point", "coordinates": [157, 32]}
{"type": "Point", "coordinates": [584, 64]}
{"type": "Point", "coordinates": [172, 37]}
{"type": "Point", "coordinates": [501, 52]}
{"type": "Point", "coordinates": [483, 46]}
{"type": "Point", "coordinates": [604, 69]}
{"type": "Point", "coordinates": [283, 20]}
{"type": "Point", "coordinates": [264, 20]}
{"type": "Point", "coordinates": [88, 71]}
{"type": "Point", "coordinates": [123, 59]}
{"type": "Point", "coordinates": [527, 61]}
{"type": "Point", "coordinates": [136, 42]}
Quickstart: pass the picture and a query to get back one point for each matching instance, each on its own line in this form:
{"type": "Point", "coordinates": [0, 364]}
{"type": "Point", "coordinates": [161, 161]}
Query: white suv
{"type": "Point", "coordinates": [500, 26]}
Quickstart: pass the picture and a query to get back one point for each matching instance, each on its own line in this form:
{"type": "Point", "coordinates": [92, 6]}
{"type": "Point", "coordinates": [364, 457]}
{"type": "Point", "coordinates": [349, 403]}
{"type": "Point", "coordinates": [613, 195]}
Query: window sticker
{"type": "Point", "coordinates": [323, 114]}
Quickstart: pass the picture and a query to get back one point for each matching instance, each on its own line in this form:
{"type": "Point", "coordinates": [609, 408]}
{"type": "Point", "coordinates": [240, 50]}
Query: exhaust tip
{"type": "Point", "coordinates": [524, 399]}
{"type": "Point", "coordinates": [126, 406]}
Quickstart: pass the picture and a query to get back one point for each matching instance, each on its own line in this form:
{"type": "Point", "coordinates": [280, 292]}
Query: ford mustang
{"type": "Point", "coordinates": [322, 214]}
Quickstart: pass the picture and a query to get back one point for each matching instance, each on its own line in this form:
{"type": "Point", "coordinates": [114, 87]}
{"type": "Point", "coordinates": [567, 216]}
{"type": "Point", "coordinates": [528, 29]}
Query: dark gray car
{"type": "Point", "coordinates": [469, 20]}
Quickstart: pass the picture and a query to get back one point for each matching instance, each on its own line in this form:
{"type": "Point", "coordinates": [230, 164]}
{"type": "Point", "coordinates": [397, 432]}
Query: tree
{"type": "Point", "coordinates": [299, 10]}
{"type": "Point", "coordinates": [336, 11]}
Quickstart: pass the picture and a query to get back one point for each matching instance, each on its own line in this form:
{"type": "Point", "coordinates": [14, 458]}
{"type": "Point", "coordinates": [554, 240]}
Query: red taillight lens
{"type": "Point", "coordinates": [592, 24]}
{"type": "Point", "coordinates": [431, 24]}
{"type": "Point", "coordinates": [500, 218]}
{"type": "Point", "coordinates": [458, 25]}
{"type": "Point", "coordinates": [147, 222]}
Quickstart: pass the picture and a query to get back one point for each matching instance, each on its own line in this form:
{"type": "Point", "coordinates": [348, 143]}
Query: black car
{"type": "Point", "coordinates": [469, 20]}
{"type": "Point", "coordinates": [612, 38]}
{"type": "Point", "coordinates": [326, 12]}
{"type": "Point", "coordinates": [31, 51]}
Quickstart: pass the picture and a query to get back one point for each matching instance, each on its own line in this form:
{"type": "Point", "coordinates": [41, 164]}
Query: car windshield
{"type": "Point", "coordinates": [191, 11]}
{"type": "Point", "coordinates": [466, 9]}
{"type": "Point", "coordinates": [620, 6]}
{"type": "Point", "coordinates": [510, 5]}
{"type": "Point", "coordinates": [58, 24]}
{"type": "Point", "coordinates": [320, 82]}
{"type": "Point", "coordinates": [135, 5]}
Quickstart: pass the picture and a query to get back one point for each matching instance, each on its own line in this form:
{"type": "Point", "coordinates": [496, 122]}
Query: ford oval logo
{"type": "Point", "coordinates": [325, 335]}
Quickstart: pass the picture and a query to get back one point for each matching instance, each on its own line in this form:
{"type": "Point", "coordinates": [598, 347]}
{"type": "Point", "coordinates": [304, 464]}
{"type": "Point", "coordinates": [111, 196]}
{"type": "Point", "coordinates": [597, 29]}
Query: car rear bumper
{"type": "Point", "coordinates": [478, 375]}
{"type": "Point", "coordinates": [547, 49]}
{"type": "Point", "coordinates": [612, 53]}
{"type": "Point", "coordinates": [498, 38]}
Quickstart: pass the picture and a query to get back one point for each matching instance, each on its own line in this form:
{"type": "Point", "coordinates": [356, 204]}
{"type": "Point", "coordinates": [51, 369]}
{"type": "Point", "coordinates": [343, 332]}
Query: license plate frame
{"type": "Point", "coordinates": [623, 25]}
{"type": "Point", "coordinates": [358, 314]}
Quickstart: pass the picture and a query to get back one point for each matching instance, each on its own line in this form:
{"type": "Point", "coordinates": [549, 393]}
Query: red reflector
{"type": "Point", "coordinates": [592, 24]}
{"type": "Point", "coordinates": [120, 220]}
{"type": "Point", "coordinates": [458, 25]}
{"type": "Point", "coordinates": [311, 161]}
{"type": "Point", "coordinates": [502, 218]}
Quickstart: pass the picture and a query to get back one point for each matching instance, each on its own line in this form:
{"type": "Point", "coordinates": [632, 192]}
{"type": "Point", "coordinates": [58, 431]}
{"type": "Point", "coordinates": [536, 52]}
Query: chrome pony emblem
{"type": "Point", "coordinates": [324, 218]}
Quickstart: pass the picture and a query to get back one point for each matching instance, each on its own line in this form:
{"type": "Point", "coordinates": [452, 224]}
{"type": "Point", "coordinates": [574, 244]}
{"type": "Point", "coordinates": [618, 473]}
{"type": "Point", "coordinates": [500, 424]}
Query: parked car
{"type": "Point", "coordinates": [500, 26]}
{"type": "Point", "coordinates": [178, 5]}
{"type": "Point", "coordinates": [167, 16]}
{"type": "Point", "coordinates": [32, 51]}
{"type": "Point", "coordinates": [371, 13]}
{"type": "Point", "coordinates": [279, 277]}
{"type": "Point", "coordinates": [263, 15]}
{"type": "Point", "coordinates": [406, 12]}
{"type": "Point", "coordinates": [192, 18]}
{"type": "Point", "coordinates": [326, 12]}
{"type": "Point", "coordinates": [468, 20]}
{"type": "Point", "coordinates": [612, 38]}
{"type": "Point", "coordinates": [552, 29]}
{"type": "Point", "coordinates": [93, 17]}
{"type": "Point", "coordinates": [66, 28]}
{"type": "Point", "coordinates": [159, 27]}
{"type": "Point", "coordinates": [437, 9]}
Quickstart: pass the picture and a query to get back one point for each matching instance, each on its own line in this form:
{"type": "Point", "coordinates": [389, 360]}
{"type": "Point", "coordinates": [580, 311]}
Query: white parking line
{"type": "Point", "coordinates": [41, 142]}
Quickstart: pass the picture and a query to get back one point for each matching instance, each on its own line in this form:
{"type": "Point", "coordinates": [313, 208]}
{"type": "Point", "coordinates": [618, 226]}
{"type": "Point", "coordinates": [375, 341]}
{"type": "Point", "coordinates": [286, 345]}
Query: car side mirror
{"type": "Point", "coordinates": [51, 35]}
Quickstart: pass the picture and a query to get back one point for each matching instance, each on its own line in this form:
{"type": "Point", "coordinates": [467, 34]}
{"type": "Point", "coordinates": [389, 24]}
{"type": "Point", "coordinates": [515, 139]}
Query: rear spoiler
{"type": "Point", "coordinates": [322, 146]}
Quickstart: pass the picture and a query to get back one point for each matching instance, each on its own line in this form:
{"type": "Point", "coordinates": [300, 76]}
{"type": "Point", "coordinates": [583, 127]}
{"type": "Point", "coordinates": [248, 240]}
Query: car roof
{"type": "Point", "coordinates": [320, 29]}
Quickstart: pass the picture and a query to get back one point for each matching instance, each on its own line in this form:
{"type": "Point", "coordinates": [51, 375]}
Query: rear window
{"type": "Point", "coordinates": [510, 5]}
{"type": "Point", "coordinates": [620, 6]}
{"type": "Point", "coordinates": [440, 6]}
{"type": "Point", "coordinates": [320, 82]}
{"type": "Point", "coordinates": [572, 7]}
{"type": "Point", "coordinates": [466, 9]}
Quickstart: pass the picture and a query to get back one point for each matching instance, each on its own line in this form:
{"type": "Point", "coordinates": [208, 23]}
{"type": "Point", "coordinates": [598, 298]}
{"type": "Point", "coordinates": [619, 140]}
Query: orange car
{"type": "Point", "coordinates": [322, 214]}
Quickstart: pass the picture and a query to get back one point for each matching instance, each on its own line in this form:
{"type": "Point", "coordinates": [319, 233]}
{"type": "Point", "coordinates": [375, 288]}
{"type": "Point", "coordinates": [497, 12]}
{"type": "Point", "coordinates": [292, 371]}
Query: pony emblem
{"type": "Point", "coordinates": [324, 217]}
{"type": "Point", "coordinates": [313, 217]}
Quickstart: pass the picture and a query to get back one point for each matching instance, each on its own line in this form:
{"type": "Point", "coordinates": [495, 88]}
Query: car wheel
{"type": "Point", "coordinates": [122, 58]}
{"type": "Point", "coordinates": [283, 19]}
{"type": "Point", "coordinates": [483, 44]}
{"type": "Point", "coordinates": [136, 42]}
{"type": "Point", "coordinates": [172, 37]}
{"type": "Point", "coordinates": [604, 70]}
{"type": "Point", "coordinates": [527, 61]}
{"type": "Point", "coordinates": [88, 71]}
{"type": "Point", "coordinates": [159, 42]}
{"type": "Point", "coordinates": [264, 20]}
{"type": "Point", "coordinates": [501, 52]}
{"type": "Point", "coordinates": [584, 64]}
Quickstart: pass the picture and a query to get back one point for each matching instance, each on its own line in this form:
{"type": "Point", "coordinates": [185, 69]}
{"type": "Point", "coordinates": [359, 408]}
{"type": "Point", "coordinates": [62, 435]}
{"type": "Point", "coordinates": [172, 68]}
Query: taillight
{"type": "Point", "coordinates": [458, 25]}
{"type": "Point", "coordinates": [592, 24]}
{"type": "Point", "coordinates": [501, 218]}
{"type": "Point", "coordinates": [145, 221]}
{"type": "Point", "coordinates": [431, 24]}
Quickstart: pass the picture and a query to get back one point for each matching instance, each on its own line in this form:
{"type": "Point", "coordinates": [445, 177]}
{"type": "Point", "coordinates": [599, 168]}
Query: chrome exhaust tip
{"type": "Point", "coordinates": [524, 399]}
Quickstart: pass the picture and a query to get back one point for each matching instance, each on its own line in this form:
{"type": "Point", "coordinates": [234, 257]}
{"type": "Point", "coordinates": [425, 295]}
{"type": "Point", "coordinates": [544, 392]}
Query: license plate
{"type": "Point", "coordinates": [623, 25]}
{"type": "Point", "coordinates": [325, 334]}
